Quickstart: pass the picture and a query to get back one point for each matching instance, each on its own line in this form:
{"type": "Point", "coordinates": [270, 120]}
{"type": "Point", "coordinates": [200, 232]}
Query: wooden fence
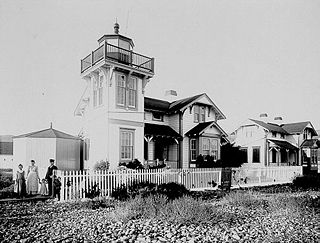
{"type": "Point", "coordinates": [76, 183]}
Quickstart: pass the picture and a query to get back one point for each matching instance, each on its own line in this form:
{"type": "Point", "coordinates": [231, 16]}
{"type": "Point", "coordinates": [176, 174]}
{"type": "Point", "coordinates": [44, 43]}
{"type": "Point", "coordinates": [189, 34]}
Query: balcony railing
{"type": "Point", "coordinates": [120, 55]}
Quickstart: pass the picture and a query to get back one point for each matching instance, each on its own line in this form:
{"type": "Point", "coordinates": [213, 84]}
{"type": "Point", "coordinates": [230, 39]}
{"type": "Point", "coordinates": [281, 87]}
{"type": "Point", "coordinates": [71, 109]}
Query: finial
{"type": "Point", "coordinates": [116, 28]}
{"type": "Point", "coordinates": [50, 125]}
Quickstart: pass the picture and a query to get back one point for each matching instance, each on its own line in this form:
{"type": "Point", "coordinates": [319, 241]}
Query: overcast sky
{"type": "Point", "coordinates": [250, 57]}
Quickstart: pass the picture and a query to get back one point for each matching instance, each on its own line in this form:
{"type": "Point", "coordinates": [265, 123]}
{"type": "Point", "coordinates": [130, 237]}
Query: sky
{"type": "Point", "coordinates": [250, 57]}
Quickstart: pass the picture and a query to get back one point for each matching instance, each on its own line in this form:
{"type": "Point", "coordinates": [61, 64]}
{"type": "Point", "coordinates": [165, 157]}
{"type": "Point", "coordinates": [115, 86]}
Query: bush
{"type": "Point", "coordinates": [144, 189]}
{"type": "Point", "coordinates": [102, 165]}
{"type": "Point", "coordinates": [307, 182]}
{"type": "Point", "coordinates": [245, 199]}
{"type": "Point", "coordinates": [7, 192]}
{"type": "Point", "coordinates": [172, 190]}
{"type": "Point", "coordinates": [93, 192]}
{"type": "Point", "coordinates": [5, 179]}
{"type": "Point", "coordinates": [135, 164]}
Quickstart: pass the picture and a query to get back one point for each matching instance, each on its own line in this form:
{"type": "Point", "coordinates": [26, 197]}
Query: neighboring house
{"type": "Point", "coordinates": [272, 143]}
{"type": "Point", "coordinates": [44, 145]}
{"type": "Point", "coordinates": [179, 131]}
{"type": "Point", "coordinates": [120, 124]}
{"type": "Point", "coordinates": [6, 151]}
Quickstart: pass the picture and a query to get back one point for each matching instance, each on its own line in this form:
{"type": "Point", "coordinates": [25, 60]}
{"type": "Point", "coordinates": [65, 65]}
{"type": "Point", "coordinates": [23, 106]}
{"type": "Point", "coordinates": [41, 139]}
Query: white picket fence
{"type": "Point", "coordinates": [76, 183]}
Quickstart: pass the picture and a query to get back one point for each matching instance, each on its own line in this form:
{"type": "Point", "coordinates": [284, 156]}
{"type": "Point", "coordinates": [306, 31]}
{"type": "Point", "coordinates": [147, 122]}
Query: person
{"type": "Point", "coordinates": [32, 179]}
{"type": "Point", "coordinates": [49, 176]}
{"type": "Point", "coordinates": [20, 184]}
{"type": "Point", "coordinates": [56, 187]}
{"type": "Point", "coordinates": [43, 187]}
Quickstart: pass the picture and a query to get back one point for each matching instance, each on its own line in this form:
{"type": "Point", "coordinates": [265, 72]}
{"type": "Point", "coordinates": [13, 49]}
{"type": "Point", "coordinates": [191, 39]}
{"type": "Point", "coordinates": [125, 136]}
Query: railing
{"type": "Point", "coordinates": [120, 55]}
{"type": "Point", "coordinates": [76, 183]}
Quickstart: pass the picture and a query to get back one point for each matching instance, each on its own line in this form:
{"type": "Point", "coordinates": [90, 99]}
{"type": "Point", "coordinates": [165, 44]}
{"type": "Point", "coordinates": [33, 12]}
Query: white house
{"type": "Point", "coordinates": [6, 151]}
{"type": "Point", "coordinates": [274, 143]}
{"type": "Point", "coordinates": [120, 124]}
{"type": "Point", "coordinates": [44, 145]}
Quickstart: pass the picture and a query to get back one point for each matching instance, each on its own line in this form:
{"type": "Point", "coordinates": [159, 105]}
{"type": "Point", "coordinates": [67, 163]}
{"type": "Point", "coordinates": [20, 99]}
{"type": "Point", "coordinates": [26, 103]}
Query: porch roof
{"type": "Point", "coordinates": [160, 130]}
{"type": "Point", "coordinates": [311, 143]}
{"type": "Point", "coordinates": [201, 127]}
{"type": "Point", "coordinates": [283, 144]}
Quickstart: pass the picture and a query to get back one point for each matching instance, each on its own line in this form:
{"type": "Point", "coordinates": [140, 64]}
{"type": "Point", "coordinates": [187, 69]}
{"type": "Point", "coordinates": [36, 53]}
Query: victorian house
{"type": "Point", "coordinates": [274, 143]}
{"type": "Point", "coordinates": [120, 124]}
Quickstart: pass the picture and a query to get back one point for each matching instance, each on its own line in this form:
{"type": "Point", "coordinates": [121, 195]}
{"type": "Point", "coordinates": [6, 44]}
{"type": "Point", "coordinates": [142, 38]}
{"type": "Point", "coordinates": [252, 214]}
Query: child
{"type": "Point", "coordinates": [56, 187]}
{"type": "Point", "coordinates": [43, 188]}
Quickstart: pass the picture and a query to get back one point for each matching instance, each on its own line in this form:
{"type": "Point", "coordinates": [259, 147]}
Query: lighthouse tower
{"type": "Point", "coordinates": [112, 105]}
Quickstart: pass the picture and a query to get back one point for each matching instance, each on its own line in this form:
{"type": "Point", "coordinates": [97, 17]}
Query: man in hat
{"type": "Point", "coordinates": [49, 176]}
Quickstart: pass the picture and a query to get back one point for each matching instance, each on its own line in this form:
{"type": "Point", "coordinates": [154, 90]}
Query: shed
{"type": "Point", "coordinates": [44, 145]}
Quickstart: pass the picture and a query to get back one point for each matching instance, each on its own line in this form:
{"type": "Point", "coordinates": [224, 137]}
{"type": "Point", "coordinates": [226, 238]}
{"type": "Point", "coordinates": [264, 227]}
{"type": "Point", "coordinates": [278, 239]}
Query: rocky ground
{"type": "Point", "coordinates": [65, 222]}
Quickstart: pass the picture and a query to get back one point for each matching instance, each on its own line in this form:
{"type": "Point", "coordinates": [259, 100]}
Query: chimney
{"type": "Point", "coordinates": [171, 95]}
{"type": "Point", "coordinates": [278, 120]}
{"type": "Point", "coordinates": [263, 117]}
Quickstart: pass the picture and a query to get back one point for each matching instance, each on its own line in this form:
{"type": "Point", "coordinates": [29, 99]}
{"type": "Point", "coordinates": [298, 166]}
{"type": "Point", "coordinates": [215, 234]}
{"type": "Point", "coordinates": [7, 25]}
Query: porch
{"type": "Point", "coordinates": [161, 146]}
{"type": "Point", "coordinates": [282, 153]}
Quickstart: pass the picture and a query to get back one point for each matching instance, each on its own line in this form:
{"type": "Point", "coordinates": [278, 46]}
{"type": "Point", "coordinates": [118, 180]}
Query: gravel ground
{"type": "Point", "coordinates": [62, 222]}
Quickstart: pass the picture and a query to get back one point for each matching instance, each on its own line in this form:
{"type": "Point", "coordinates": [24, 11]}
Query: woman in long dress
{"type": "Point", "coordinates": [32, 179]}
{"type": "Point", "coordinates": [20, 182]}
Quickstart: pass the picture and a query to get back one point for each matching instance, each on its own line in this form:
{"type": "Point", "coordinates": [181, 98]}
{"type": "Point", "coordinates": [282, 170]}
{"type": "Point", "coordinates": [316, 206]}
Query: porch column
{"type": "Point", "coordinates": [151, 150]}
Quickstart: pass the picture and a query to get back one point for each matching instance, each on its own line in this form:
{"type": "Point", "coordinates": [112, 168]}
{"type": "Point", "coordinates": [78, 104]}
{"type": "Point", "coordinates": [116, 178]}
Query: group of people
{"type": "Point", "coordinates": [28, 184]}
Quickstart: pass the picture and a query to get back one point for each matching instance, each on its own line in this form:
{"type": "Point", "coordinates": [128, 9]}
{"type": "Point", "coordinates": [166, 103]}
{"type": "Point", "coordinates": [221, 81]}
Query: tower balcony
{"type": "Point", "coordinates": [119, 55]}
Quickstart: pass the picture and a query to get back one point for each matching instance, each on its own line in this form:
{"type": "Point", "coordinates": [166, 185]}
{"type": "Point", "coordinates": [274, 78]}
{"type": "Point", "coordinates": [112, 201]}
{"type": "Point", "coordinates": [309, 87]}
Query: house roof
{"type": "Point", "coordinates": [201, 127]}
{"type": "Point", "coordinates": [283, 144]}
{"type": "Point", "coordinates": [311, 143]}
{"type": "Point", "coordinates": [167, 107]}
{"type": "Point", "coordinates": [47, 133]}
{"type": "Point", "coordinates": [297, 127]}
{"type": "Point", "coordinates": [269, 126]}
{"type": "Point", "coordinates": [156, 105]}
{"type": "Point", "coordinates": [160, 130]}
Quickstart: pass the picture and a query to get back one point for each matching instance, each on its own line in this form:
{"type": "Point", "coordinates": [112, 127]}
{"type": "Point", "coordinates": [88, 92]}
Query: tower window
{"type": "Point", "coordinates": [126, 91]}
{"type": "Point", "coordinates": [121, 90]}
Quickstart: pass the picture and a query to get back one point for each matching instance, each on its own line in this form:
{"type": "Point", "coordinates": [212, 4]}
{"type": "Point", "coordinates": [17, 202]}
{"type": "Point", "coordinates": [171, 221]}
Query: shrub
{"type": "Point", "coordinates": [135, 164]}
{"type": "Point", "coordinates": [307, 181]}
{"type": "Point", "coordinates": [93, 192]}
{"type": "Point", "coordinates": [102, 165]}
{"type": "Point", "coordinates": [7, 192]}
{"type": "Point", "coordinates": [5, 179]}
{"type": "Point", "coordinates": [172, 190]}
{"type": "Point", "coordinates": [245, 199]}
{"type": "Point", "coordinates": [144, 189]}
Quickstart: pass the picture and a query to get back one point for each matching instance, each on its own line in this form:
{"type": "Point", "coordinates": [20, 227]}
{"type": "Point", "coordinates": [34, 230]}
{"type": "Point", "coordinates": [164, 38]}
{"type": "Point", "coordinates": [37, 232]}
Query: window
{"type": "Point", "coordinates": [210, 147]}
{"type": "Point", "coordinates": [274, 134]}
{"type": "Point", "coordinates": [126, 144]}
{"type": "Point", "coordinates": [196, 113]}
{"type": "Point", "coordinates": [205, 147]}
{"type": "Point", "coordinates": [282, 135]}
{"type": "Point", "coordinates": [193, 149]}
{"type": "Point", "coordinates": [95, 91]}
{"type": "Point", "coordinates": [121, 90]}
{"type": "Point", "coordinates": [157, 116]}
{"type": "Point", "coordinates": [305, 134]}
{"type": "Point", "coordinates": [256, 155]}
{"type": "Point", "coordinates": [100, 90]}
{"type": "Point", "coordinates": [244, 155]}
{"type": "Point", "coordinates": [126, 91]}
{"type": "Point", "coordinates": [132, 92]}
{"type": "Point", "coordinates": [202, 114]}
{"type": "Point", "coordinates": [86, 148]}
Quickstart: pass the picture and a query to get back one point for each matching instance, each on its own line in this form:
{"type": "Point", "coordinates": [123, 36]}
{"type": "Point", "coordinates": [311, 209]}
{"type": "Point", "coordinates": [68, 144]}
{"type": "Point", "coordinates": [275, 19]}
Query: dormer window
{"type": "Point", "coordinates": [199, 114]}
{"type": "Point", "coordinates": [274, 134]}
{"type": "Point", "coordinates": [305, 134]}
{"type": "Point", "coordinates": [196, 111]}
{"type": "Point", "coordinates": [202, 114]}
